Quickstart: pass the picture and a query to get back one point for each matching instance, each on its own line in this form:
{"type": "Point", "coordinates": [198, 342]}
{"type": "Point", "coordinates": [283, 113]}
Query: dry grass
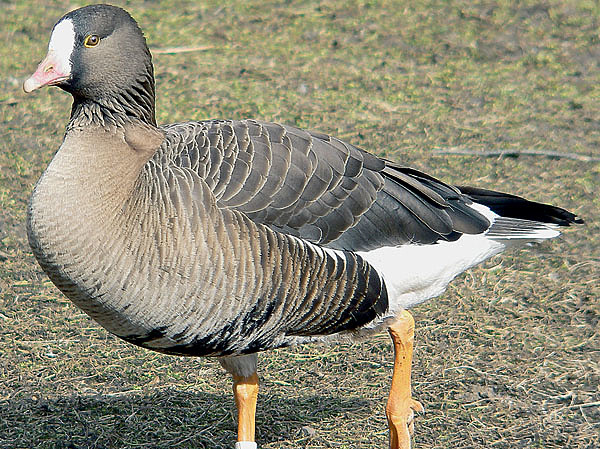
{"type": "Point", "coordinates": [508, 358]}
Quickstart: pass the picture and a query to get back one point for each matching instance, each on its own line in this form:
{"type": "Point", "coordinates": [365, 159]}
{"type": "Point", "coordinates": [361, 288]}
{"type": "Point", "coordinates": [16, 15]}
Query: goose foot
{"type": "Point", "coordinates": [401, 423]}
{"type": "Point", "coordinates": [401, 407]}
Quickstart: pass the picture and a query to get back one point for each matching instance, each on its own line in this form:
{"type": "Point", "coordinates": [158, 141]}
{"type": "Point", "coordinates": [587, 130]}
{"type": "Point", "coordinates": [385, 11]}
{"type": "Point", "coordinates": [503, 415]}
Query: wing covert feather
{"type": "Point", "coordinates": [317, 187]}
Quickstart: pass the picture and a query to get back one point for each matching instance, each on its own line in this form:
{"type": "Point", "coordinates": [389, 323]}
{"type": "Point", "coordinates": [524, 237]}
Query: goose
{"type": "Point", "coordinates": [225, 238]}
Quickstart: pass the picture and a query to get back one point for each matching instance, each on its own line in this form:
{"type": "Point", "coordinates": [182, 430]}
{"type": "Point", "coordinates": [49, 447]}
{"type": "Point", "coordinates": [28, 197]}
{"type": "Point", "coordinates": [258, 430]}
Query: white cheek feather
{"type": "Point", "coordinates": [62, 43]}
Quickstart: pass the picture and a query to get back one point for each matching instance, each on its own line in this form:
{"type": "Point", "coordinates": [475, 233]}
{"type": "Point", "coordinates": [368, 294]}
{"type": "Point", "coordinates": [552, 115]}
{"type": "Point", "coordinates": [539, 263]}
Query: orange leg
{"type": "Point", "coordinates": [245, 390]}
{"type": "Point", "coordinates": [401, 407]}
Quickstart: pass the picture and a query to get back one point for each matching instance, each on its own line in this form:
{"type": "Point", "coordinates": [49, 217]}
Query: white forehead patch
{"type": "Point", "coordinates": [62, 42]}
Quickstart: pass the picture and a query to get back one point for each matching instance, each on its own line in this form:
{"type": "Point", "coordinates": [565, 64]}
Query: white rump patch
{"type": "Point", "coordinates": [62, 43]}
{"type": "Point", "coordinates": [415, 273]}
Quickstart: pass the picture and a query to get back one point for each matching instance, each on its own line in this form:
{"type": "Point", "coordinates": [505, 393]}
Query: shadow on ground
{"type": "Point", "coordinates": [173, 418]}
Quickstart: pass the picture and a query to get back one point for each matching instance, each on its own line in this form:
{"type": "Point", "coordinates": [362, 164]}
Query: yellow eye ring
{"type": "Point", "coordinates": [91, 41]}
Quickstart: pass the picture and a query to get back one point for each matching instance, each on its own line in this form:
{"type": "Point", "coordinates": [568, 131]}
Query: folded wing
{"type": "Point", "coordinates": [317, 187]}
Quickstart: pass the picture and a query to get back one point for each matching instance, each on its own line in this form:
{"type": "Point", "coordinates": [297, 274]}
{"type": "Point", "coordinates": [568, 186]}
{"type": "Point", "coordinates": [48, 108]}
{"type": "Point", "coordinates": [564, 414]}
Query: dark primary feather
{"type": "Point", "coordinates": [512, 206]}
{"type": "Point", "coordinates": [317, 187]}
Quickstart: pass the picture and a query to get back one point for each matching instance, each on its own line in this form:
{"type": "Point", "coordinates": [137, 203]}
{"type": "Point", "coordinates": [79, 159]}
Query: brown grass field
{"type": "Point", "coordinates": [508, 357]}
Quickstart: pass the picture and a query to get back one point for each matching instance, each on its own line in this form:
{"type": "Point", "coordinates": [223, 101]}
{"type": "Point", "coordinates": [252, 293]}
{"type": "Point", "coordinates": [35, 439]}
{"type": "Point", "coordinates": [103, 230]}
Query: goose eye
{"type": "Point", "coordinates": [91, 41]}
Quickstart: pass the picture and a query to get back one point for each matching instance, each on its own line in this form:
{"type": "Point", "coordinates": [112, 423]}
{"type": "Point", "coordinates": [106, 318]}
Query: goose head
{"type": "Point", "coordinates": [99, 54]}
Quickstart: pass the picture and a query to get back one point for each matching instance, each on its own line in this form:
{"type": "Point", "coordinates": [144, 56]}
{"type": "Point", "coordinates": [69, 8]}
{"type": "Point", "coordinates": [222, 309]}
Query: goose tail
{"type": "Point", "coordinates": [515, 218]}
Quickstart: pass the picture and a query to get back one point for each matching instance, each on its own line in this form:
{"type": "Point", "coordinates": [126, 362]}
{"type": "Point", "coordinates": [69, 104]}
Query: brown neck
{"type": "Point", "coordinates": [89, 180]}
{"type": "Point", "coordinates": [99, 168]}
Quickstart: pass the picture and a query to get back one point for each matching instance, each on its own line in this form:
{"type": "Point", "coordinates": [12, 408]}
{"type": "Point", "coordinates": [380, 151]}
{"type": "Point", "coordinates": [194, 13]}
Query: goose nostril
{"type": "Point", "coordinates": [49, 68]}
